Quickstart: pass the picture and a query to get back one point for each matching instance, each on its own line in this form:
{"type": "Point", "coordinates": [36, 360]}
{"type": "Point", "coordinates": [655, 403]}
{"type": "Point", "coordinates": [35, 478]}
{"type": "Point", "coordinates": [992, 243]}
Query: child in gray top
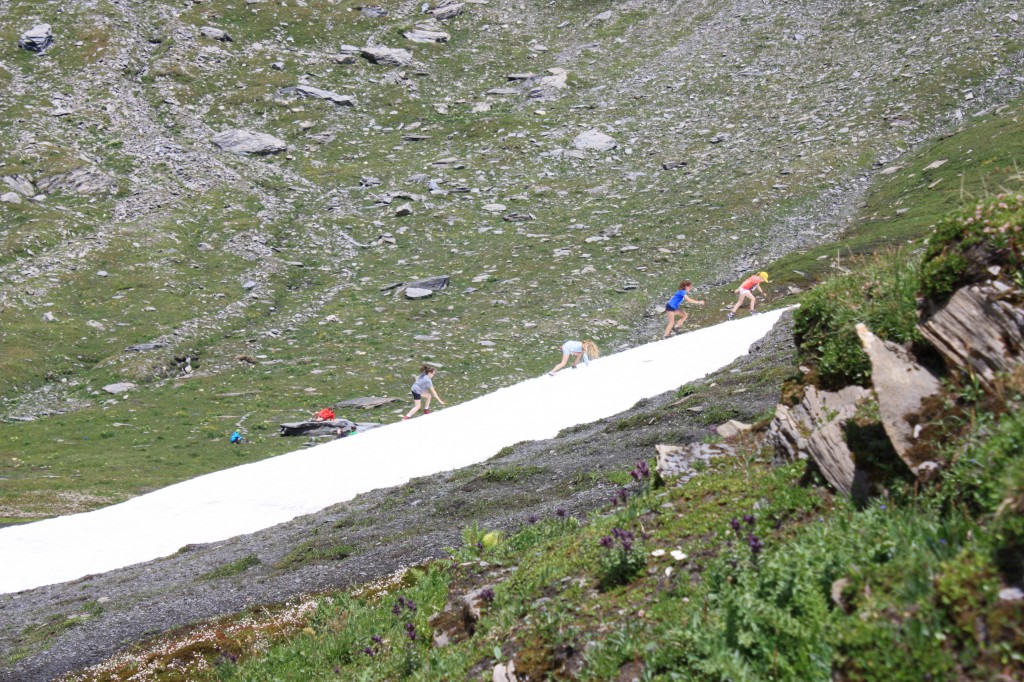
{"type": "Point", "coordinates": [424, 384]}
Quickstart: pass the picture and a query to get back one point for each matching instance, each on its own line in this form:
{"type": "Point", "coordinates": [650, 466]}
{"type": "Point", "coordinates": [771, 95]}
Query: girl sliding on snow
{"type": "Point", "coordinates": [578, 349]}
{"type": "Point", "coordinates": [423, 384]}
{"type": "Point", "coordinates": [676, 317]}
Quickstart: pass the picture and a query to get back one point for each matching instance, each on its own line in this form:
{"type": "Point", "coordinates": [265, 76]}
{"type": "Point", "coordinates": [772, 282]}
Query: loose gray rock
{"type": "Point", "coordinates": [248, 286]}
{"type": "Point", "coordinates": [404, 210]}
{"type": "Point", "coordinates": [414, 293]}
{"type": "Point", "coordinates": [365, 403]}
{"type": "Point", "coordinates": [901, 386]}
{"type": "Point", "coordinates": [373, 11]}
{"type": "Point", "coordinates": [37, 38]}
{"type": "Point", "coordinates": [120, 387]}
{"type": "Point", "coordinates": [141, 347]}
{"type": "Point", "coordinates": [333, 427]}
{"type": "Point", "coordinates": [248, 142]}
{"type": "Point", "coordinates": [215, 34]}
{"type": "Point", "coordinates": [447, 11]}
{"type": "Point", "coordinates": [594, 140]}
{"type": "Point", "coordinates": [676, 461]}
{"type": "Point", "coordinates": [433, 283]}
{"type": "Point", "coordinates": [84, 180]}
{"type": "Point", "coordinates": [10, 198]}
{"type": "Point", "coordinates": [317, 93]}
{"type": "Point", "coordinates": [49, 317]}
{"type": "Point", "coordinates": [386, 56]}
{"type": "Point", "coordinates": [731, 429]}
{"type": "Point", "coordinates": [22, 184]}
{"type": "Point", "coordinates": [419, 35]}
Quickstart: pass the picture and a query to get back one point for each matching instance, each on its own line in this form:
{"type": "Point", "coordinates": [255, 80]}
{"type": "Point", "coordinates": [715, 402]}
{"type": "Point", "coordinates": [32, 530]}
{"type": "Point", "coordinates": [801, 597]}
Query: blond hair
{"type": "Point", "coordinates": [590, 348]}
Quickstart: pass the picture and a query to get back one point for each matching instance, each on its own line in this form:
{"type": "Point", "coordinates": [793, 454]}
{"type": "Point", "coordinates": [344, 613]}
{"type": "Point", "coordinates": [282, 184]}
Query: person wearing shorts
{"type": "Point", "coordinates": [424, 385]}
{"type": "Point", "coordinates": [677, 317]}
{"type": "Point", "coordinates": [579, 350]}
{"type": "Point", "coordinates": [746, 291]}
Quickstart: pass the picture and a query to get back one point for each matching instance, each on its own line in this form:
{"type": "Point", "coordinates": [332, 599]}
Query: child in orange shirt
{"type": "Point", "coordinates": [746, 290]}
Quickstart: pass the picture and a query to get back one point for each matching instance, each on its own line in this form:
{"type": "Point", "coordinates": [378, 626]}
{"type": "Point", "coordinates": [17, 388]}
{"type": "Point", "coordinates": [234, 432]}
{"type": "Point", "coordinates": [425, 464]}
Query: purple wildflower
{"type": "Point", "coordinates": [749, 519]}
{"type": "Point", "coordinates": [735, 523]}
{"type": "Point", "coordinates": [377, 639]}
{"type": "Point", "coordinates": [368, 651]}
{"type": "Point", "coordinates": [399, 605]}
{"type": "Point", "coordinates": [411, 605]}
{"type": "Point", "coordinates": [607, 542]}
{"type": "Point", "coordinates": [560, 513]}
{"type": "Point", "coordinates": [641, 472]}
{"type": "Point", "coordinates": [410, 631]}
{"type": "Point", "coordinates": [755, 544]}
{"type": "Point", "coordinates": [532, 520]}
{"type": "Point", "coordinates": [487, 595]}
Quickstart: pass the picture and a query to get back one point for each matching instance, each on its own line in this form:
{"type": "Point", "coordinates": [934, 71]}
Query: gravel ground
{"type": "Point", "coordinates": [383, 531]}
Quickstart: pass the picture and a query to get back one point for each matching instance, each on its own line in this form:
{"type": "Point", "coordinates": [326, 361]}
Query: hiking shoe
{"type": "Point", "coordinates": [404, 417]}
{"type": "Point", "coordinates": [426, 411]}
{"type": "Point", "coordinates": [754, 312]}
{"type": "Point", "coordinates": [730, 316]}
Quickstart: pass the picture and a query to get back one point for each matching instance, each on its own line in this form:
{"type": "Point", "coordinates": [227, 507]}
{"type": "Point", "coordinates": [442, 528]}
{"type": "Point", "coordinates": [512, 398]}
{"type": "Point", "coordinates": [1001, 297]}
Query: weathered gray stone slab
{"type": "Point", "coordinates": [248, 142]}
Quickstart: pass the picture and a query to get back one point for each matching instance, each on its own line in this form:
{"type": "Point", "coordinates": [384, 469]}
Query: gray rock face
{"type": "Point", "coordinates": [22, 184]}
{"type": "Point", "coordinates": [37, 38]}
{"type": "Point", "coordinates": [901, 386]}
{"type": "Point", "coordinates": [373, 11]}
{"type": "Point", "coordinates": [419, 35]}
{"type": "Point", "coordinates": [415, 293]}
{"type": "Point", "coordinates": [979, 330]}
{"type": "Point", "coordinates": [248, 142]}
{"type": "Point", "coordinates": [317, 93]}
{"type": "Point", "coordinates": [10, 198]}
{"type": "Point", "coordinates": [333, 427]}
{"type": "Point", "coordinates": [550, 86]}
{"type": "Point", "coordinates": [387, 56]}
{"type": "Point", "coordinates": [215, 34]}
{"type": "Point", "coordinates": [119, 387]}
{"type": "Point", "coordinates": [814, 429]}
{"type": "Point", "coordinates": [85, 180]}
{"type": "Point", "coordinates": [594, 140]}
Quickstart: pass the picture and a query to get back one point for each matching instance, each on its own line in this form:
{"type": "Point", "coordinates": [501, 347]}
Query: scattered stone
{"type": "Point", "coordinates": [248, 142]}
{"type": "Point", "coordinates": [373, 11]}
{"type": "Point", "coordinates": [249, 285]}
{"type": "Point", "coordinates": [420, 35]}
{"type": "Point", "coordinates": [49, 317]}
{"type": "Point", "coordinates": [901, 387]}
{"type": "Point", "coordinates": [433, 283]}
{"type": "Point", "coordinates": [119, 387]}
{"type": "Point", "coordinates": [449, 11]}
{"type": "Point", "coordinates": [518, 217]}
{"type": "Point", "coordinates": [719, 137]}
{"type": "Point", "coordinates": [815, 429]}
{"type": "Point", "coordinates": [594, 140]}
{"type": "Point", "coordinates": [37, 38]}
{"type": "Point", "coordinates": [331, 427]}
{"type": "Point", "coordinates": [502, 91]}
{"type": "Point", "coordinates": [675, 461]}
{"type": "Point", "coordinates": [386, 56]}
{"type": "Point", "coordinates": [140, 347]}
{"type": "Point", "coordinates": [493, 208]}
{"type": "Point", "coordinates": [603, 16]}
{"type": "Point", "coordinates": [215, 34]}
{"type": "Point", "coordinates": [520, 76]}
{"type": "Point", "coordinates": [415, 293]}
{"type": "Point", "coordinates": [317, 93]}
{"type": "Point", "coordinates": [404, 210]}
{"type": "Point", "coordinates": [732, 428]}
{"type": "Point", "coordinates": [10, 198]}
{"type": "Point", "coordinates": [22, 184]}
{"type": "Point", "coordinates": [549, 86]}
{"type": "Point", "coordinates": [1011, 594]}
{"type": "Point", "coordinates": [673, 165]}
{"type": "Point", "coordinates": [481, 108]}
{"type": "Point", "coordinates": [505, 673]}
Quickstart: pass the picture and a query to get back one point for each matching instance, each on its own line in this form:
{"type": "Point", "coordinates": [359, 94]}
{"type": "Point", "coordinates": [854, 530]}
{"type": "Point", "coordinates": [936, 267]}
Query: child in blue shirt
{"type": "Point", "coordinates": [676, 317]}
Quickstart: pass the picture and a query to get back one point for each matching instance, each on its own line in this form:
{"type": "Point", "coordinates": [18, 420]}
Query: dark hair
{"type": "Point", "coordinates": [426, 369]}
{"type": "Point", "coordinates": [685, 283]}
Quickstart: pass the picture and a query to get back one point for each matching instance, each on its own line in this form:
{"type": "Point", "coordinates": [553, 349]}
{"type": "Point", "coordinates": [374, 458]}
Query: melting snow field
{"type": "Point", "coordinates": [254, 496]}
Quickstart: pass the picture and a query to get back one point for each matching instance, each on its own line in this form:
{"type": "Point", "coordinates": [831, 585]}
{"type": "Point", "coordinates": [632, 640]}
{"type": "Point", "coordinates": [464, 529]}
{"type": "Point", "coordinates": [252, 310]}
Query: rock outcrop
{"type": "Point", "coordinates": [248, 142]}
{"type": "Point", "coordinates": [814, 429]}
{"type": "Point", "coordinates": [37, 38]}
{"type": "Point", "coordinates": [980, 330]}
{"type": "Point", "coordinates": [317, 93]}
{"type": "Point", "coordinates": [387, 56]}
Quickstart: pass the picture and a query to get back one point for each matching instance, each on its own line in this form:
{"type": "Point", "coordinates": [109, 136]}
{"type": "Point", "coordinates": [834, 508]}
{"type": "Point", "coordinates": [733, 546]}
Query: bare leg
{"type": "Point", "coordinates": [682, 315]}
{"type": "Point", "coordinates": [415, 408]}
{"type": "Point", "coordinates": [565, 359]}
{"type": "Point", "coordinates": [576, 359]}
{"type": "Point", "coordinates": [739, 301]}
{"type": "Point", "coordinates": [670, 314]}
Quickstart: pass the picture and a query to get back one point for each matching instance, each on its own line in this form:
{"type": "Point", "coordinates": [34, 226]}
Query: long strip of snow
{"type": "Point", "coordinates": [254, 496]}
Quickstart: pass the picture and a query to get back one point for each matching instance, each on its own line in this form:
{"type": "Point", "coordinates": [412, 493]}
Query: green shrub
{"type": "Point", "coordinates": [966, 244]}
{"type": "Point", "coordinates": [882, 295]}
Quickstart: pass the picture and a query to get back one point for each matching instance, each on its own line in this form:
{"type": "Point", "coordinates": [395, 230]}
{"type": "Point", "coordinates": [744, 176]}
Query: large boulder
{"type": "Point", "coordinates": [22, 184]}
{"type": "Point", "coordinates": [37, 38]}
{"type": "Point", "coordinates": [447, 10]}
{"type": "Point", "coordinates": [317, 93]}
{"type": "Point", "coordinates": [386, 56]}
{"type": "Point", "coordinates": [815, 429]}
{"type": "Point", "coordinates": [215, 34]}
{"type": "Point", "coordinates": [422, 35]}
{"type": "Point", "coordinates": [594, 140]}
{"type": "Point", "coordinates": [333, 427]}
{"type": "Point", "coordinates": [980, 329]}
{"type": "Point", "coordinates": [248, 142]}
{"type": "Point", "coordinates": [901, 386]}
